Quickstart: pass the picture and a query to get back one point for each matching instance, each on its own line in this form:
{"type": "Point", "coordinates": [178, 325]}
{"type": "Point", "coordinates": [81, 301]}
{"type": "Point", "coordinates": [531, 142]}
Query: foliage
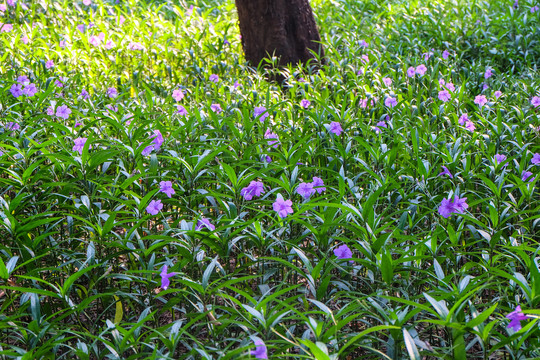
{"type": "Point", "coordinates": [85, 160]}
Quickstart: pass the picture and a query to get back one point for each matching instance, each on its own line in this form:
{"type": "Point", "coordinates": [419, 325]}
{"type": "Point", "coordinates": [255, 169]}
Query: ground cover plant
{"type": "Point", "coordinates": [160, 199]}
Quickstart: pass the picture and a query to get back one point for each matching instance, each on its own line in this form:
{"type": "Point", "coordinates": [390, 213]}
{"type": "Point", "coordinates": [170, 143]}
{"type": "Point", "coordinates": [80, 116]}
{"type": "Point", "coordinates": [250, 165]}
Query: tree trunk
{"type": "Point", "coordinates": [282, 28]}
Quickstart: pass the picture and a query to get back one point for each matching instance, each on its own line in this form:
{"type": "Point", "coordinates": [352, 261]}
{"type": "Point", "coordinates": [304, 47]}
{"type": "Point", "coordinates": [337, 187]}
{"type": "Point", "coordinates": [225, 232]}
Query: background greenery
{"type": "Point", "coordinates": [80, 257]}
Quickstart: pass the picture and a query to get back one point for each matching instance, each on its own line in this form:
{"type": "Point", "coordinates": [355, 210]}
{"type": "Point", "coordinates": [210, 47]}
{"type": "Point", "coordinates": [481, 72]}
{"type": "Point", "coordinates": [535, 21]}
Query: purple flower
{"type": "Point", "coordinates": [58, 83]}
{"type": "Point", "coordinates": [30, 90]}
{"type": "Point", "coordinates": [80, 27]}
{"type": "Point", "coordinates": [421, 69]}
{"type": "Point", "coordinates": [236, 85]}
{"type": "Point", "coordinates": [480, 100]}
{"type": "Point", "coordinates": [204, 223]}
{"type": "Point", "coordinates": [216, 108]}
{"type": "Point", "coordinates": [318, 185]}
{"type": "Point", "coordinates": [79, 144]}
{"type": "Point", "coordinates": [23, 80]}
{"type": "Point", "coordinates": [305, 190]}
{"type": "Point", "coordinates": [469, 125]}
{"type": "Point", "coordinates": [463, 119]}
{"type": "Point", "coordinates": [49, 64]}
{"type": "Point", "coordinates": [110, 45]}
{"type": "Point", "coordinates": [84, 94]}
{"type": "Point", "coordinates": [535, 101]}
{"type": "Point", "coordinates": [445, 54]}
{"type": "Point", "coordinates": [390, 102]}
{"type": "Point", "coordinates": [362, 43]}
{"type": "Point", "coordinates": [444, 95]}
{"type": "Point", "coordinates": [158, 139]}
{"type": "Point", "coordinates": [260, 351]}
{"type": "Point", "coordinates": [535, 9]}
{"type": "Point", "coordinates": [260, 111]}
{"type": "Point", "coordinates": [365, 59]}
{"type": "Point", "coordinates": [165, 282]}
{"type": "Point", "coordinates": [497, 94]}
{"type": "Point", "coordinates": [282, 207]}
{"type": "Point", "coordinates": [485, 86]}
{"type": "Point", "coordinates": [270, 135]}
{"type": "Point", "coordinates": [450, 87]}
{"type": "Point", "coordinates": [50, 110]}
{"type": "Point", "coordinates": [181, 110]}
{"type": "Point", "coordinates": [515, 318]}
{"type": "Point", "coordinates": [446, 172]}
{"type": "Point", "coordinates": [178, 94]}
{"type": "Point", "coordinates": [449, 207]}
{"type": "Point", "coordinates": [255, 188]}
{"type": "Point", "coordinates": [94, 40]}
{"type": "Point", "coordinates": [305, 103]}
{"type": "Point", "coordinates": [343, 252]}
{"type": "Point", "coordinates": [6, 27]}
{"type": "Point", "coordinates": [135, 46]}
{"type": "Point", "coordinates": [12, 126]}
{"type": "Point", "coordinates": [16, 90]}
{"type": "Point", "coordinates": [379, 126]}
{"type": "Point", "coordinates": [387, 81]}
{"type": "Point", "coordinates": [63, 112]}
{"type": "Point", "coordinates": [214, 78]}
{"type": "Point", "coordinates": [87, 2]}
{"type": "Point", "coordinates": [499, 158]}
{"type": "Point", "coordinates": [154, 207]}
{"type": "Point", "coordinates": [166, 187]}
{"type": "Point", "coordinates": [112, 92]}
{"type": "Point", "coordinates": [335, 128]}
{"type": "Point", "coordinates": [488, 73]}
{"type": "Point", "coordinates": [536, 159]}
{"type": "Point", "coordinates": [62, 44]}
{"type": "Point", "coordinates": [411, 72]}
{"type": "Point", "coordinates": [526, 175]}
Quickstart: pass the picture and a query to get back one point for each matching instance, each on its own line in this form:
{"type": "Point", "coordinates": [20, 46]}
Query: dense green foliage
{"type": "Point", "coordinates": [81, 256]}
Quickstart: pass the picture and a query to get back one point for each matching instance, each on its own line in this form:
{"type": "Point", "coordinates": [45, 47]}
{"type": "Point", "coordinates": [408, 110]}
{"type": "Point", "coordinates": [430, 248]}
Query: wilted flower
{"type": "Point", "coordinates": [79, 144]}
{"type": "Point", "coordinates": [282, 207]}
{"type": "Point", "coordinates": [305, 103]}
{"type": "Point", "coordinates": [260, 111]}
{"type": "Point", "coordinates": [255, 188]}
{"type": "Point", "coordinates": [335, 128]}
{"type": "Point", "coordinates": [362, 43]}
{"type": "Point", "coordinates": [63, 112]}
{"type": "Point", "coordinates": [343, 252]}
{"type": "Point", "coordinates": [166, 187]}
{"type": "Point", "coordinates": [154, 207]}
{"type": "Point", "coordinates": [177, 94]}
{"type": "Point", "coordinates": [204, 223]}
{"type": "Point", "coordinates": [165, 282]}
{"type": "Point", "coordinates": [446, 172]}
{"type": "Point", "coordinates": [515, 318]}
{"type": "Point", "coordinates": [260, 351]}
{"type": "Point", "coordinates": [305, 190]}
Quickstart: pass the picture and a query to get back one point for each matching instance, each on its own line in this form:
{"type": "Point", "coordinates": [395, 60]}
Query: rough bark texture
{"type": "Point", "coordinates": [283, 28]}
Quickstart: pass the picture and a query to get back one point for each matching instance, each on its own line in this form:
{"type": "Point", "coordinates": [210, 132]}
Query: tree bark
{"type": "Point", "coordinates": [282, 28]}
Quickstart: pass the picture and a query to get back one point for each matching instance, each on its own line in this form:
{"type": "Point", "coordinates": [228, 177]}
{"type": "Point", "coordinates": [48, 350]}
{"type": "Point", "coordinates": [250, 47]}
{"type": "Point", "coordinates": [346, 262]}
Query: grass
{"type": "Point", "coordinates": [81, 256]}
